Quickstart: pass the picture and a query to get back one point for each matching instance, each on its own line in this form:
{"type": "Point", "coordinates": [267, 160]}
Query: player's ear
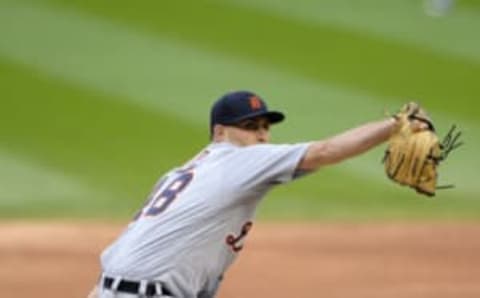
{"type": "Point", "coordinates": [218, 132]}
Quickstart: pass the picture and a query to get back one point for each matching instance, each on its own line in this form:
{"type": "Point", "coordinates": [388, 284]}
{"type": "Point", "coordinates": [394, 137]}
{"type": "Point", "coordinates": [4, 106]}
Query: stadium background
{"type": "Point", "coordinates": [98, 98]}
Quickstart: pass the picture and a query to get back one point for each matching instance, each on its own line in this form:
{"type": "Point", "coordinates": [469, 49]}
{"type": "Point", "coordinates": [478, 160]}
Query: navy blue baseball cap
{"type": "Point", "coordinates": [236, 106]}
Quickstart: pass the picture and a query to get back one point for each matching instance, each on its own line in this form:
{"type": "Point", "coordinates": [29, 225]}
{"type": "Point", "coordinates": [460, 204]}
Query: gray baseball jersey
{"type": "Point", "coordinates": [197, 216]}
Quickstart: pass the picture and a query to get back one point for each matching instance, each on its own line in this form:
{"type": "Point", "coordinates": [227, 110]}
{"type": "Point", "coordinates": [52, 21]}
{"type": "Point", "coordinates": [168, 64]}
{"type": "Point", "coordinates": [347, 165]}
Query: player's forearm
{"type": "Point", "coordinates": [347, 144]}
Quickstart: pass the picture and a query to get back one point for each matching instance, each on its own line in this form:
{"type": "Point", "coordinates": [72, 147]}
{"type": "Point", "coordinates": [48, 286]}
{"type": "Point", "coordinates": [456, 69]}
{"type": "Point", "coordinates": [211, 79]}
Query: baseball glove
{"type": "Point", "coordinates": [414, 151]}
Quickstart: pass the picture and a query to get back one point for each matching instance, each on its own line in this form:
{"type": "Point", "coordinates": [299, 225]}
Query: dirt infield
{"type": "Point", "coordinates": [279, 260]}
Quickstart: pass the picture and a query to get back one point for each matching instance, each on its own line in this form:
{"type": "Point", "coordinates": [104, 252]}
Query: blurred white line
{"type": "Point", "coordinates": [24, 180]}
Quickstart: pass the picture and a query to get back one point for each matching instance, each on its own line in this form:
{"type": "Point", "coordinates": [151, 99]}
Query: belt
{"type": "Point", "coordinates": [133, 287]}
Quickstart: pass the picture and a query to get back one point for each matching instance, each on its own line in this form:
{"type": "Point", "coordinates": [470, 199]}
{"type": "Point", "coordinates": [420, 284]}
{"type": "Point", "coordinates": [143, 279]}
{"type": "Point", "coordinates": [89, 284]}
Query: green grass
{"type": "Point", "coordinates": [98, 100]}
{"type": "Point", "coordinates": [470, 3]}
{"type": "Point", "coordinates": [323, 53]}
{"type": "Point", "coordinates": [330, 195]}
{"type": "Point", "coordinates": [104, 143]}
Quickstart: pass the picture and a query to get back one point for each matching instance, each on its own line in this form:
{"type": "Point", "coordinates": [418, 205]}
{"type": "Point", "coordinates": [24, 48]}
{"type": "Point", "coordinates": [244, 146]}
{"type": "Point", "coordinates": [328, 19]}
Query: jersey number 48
{"type": "Point", "coordinates": [164, 194]}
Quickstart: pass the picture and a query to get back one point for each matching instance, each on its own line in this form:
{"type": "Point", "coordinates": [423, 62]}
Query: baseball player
{"type": "Point", "coordinates": [197, 216]}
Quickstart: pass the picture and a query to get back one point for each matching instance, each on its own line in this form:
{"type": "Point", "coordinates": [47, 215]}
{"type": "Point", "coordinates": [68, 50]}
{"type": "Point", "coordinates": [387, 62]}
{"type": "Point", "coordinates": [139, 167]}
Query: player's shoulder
{"type": "Point", "coordinates": [230, 147]}
{"type": "Point", "coordinates": [225, 148]}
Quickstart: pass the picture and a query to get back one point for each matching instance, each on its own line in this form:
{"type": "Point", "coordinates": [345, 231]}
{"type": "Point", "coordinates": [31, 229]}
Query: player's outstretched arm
{"type": "Point", "coordinates": [347, 144]}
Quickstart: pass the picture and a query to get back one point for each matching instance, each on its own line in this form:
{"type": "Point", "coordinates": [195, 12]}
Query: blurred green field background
{"type": "Point", "coordinates": [99, 98]}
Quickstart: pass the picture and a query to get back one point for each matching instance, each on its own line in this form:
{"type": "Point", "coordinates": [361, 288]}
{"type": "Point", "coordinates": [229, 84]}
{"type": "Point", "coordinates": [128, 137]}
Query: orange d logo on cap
{"type": "Point", "coordinates": [255, 103]}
